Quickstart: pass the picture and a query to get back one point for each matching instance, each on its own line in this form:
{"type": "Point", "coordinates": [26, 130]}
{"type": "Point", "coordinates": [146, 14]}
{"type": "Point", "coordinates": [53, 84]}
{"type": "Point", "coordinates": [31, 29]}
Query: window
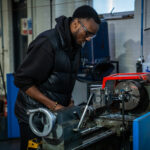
{"type": "Point", "coordinates": [114, 6]}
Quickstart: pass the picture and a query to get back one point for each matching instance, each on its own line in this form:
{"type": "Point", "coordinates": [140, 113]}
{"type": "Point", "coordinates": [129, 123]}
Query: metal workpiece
{"type": "Point", "coordinates": [114, 121]}
{"type": "Point", "coordinates": [94, 139]}
{"type": "Point", "coordinates": [89, 130]}
{"type": "Point", "coordinates": [43, 117]}
{"type": "Point", "coordinates": [117, 117]}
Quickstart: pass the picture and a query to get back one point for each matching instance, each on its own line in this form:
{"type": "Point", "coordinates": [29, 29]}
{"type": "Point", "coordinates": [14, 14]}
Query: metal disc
{"type": "Point", "coordinates": [138, 97]}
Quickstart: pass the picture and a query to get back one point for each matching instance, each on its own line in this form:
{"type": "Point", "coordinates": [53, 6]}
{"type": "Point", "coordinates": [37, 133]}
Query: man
{"type": "Point", "coordinates": [48, 72]}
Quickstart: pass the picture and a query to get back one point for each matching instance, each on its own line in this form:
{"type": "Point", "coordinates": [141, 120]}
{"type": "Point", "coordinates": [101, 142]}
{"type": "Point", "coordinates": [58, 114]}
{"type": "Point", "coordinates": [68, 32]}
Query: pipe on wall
{"type": "Point", "coordinates": [51, 15]}
{"type": "Point", "coordinates": [142, 8]}
{"type": "Point", "coordinates": [139, 67]}
{"type": "Point", "coordinates": [32, 19]}
{"type": "Point", "coordinates": [2, 38]}
{"type": "Point", "coordinates": [2, 35]}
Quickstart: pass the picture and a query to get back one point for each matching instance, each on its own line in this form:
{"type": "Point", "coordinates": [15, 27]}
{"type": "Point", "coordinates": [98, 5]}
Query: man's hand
{"type": "Point", "coordinates": [37, 95]}
{"type": "Point", "coordinates": [58, 107]}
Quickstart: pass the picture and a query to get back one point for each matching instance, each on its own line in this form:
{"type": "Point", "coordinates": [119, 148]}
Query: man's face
{"type": "Point", "coordinates": [84, 30]}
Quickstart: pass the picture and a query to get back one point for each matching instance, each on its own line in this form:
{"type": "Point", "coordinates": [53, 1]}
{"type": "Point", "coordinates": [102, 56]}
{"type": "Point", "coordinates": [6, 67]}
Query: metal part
{"type": "Point", "coordinates": [94, 139]}
{"type": "Point", "coordinates": [97, 100]}
{"type": "Point", "coordinates": [89, 130]}
{"type": "Point", "coordinates": [133, 94]}
{"type": "Point", "coordinates": [118, 117]}
{"type": "Point", "coordinates": [47, 120]}
{"type": "Point", "coordinates": [84, 112]}
{"type": "Point", "coordinates": [126, 76]}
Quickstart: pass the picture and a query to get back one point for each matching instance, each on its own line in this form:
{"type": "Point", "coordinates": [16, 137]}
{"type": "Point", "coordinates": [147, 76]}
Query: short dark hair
{"type": "Point", "coordinates": [86, 11]}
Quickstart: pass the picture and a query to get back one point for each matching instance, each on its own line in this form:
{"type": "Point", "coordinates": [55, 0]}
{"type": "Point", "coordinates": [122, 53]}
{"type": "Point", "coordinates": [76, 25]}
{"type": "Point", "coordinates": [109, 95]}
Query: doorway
{"type": "Point", "coordinates": [19, 10]}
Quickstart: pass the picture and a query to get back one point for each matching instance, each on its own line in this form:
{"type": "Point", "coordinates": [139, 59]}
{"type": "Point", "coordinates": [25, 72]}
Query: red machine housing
{"type": "Point", "coordinates": [127, 76]}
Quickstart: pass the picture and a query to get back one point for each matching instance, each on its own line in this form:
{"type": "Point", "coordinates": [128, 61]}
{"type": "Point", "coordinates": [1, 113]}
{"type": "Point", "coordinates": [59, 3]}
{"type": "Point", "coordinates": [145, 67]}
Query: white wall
{"type": "Point", "coordinates": [125, 38]}
{"type": "Point", "coordinates": [6, 58]}
{"type": "Point", "coordinates": [41, 13]}
{"type": "Point", "coordinates": [124, 35]}
{"type": "Point", "coordinates": [147, 31]}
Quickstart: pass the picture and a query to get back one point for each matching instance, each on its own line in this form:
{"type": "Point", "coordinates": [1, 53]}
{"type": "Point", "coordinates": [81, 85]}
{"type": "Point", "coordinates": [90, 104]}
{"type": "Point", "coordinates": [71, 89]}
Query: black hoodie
{"type": "Point", "coordinates": [38, 63]}
{"type": "Point", "coordinates": [51, 63]}
{"type": "Point", "coordinates": [63, 27]}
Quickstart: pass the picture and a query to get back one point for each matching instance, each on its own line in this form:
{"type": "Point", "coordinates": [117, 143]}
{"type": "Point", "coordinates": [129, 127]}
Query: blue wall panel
{"type": "Point", "coordinates": [141, 133]}
{"type": "Point", "coordinates": [13, 127]}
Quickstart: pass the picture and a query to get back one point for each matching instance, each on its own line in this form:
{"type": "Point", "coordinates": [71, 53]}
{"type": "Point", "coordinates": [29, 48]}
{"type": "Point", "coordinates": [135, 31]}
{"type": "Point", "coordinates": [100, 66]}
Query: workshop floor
{"type": "Point", "coordinates": [12, 144]}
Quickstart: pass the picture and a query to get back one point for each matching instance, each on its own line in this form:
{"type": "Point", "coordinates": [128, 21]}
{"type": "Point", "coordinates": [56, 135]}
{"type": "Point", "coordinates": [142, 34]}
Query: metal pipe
{"type": "Point", "coordinates": [3, 80]}
{"type": "Point", "coordinates": [51, 16]}
{"type": "Point", "coordinates": [142, 6]}
{"type": "Point", "coordinates": [32, 18]}
{"type": "Point", "coordinates": [94, 139]}
{"type": "Point", "coordinates": [2, 36]}
{"type": "Point", "coordinates": [2, 24]}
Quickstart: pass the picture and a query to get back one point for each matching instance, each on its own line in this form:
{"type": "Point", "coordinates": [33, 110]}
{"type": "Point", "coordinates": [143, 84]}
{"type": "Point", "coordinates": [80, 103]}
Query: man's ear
{"type": "Point", "coordinates": [75, 23]}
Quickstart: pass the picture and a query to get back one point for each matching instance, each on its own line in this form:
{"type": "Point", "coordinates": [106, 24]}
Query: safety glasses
{"type": "Point", "coordinates": [88, 33]}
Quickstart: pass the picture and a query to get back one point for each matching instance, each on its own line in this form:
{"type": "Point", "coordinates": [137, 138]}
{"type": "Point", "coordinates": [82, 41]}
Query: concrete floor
{"type": "Point", "coordinates": [12, 144]}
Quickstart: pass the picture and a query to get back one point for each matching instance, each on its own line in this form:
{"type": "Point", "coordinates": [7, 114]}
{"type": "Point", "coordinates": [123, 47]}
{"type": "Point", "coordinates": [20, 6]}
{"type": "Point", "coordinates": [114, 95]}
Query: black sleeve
{"type": "Point", "coordinates": [36, 66]}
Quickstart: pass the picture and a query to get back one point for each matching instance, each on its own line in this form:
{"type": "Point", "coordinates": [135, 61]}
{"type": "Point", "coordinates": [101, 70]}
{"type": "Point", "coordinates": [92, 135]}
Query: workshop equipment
{"type": "Point", "coordinates": [105, 122]}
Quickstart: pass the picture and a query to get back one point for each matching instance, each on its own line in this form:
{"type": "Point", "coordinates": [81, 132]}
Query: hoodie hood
{"type": "Point", "coordinates": [63, 28]}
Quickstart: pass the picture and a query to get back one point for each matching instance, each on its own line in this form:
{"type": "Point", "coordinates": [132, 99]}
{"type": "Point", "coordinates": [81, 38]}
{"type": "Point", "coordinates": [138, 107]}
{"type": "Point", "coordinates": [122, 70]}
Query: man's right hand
{"type": "Point", "coordinates": [37, 95]}
{"type": "Point", "coordinates": [58, 107]}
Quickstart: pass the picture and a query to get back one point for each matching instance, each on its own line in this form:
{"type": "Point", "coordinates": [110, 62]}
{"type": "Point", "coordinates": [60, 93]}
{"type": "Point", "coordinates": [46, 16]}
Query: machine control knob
{"type": "Point", "coordinates": [41, 121]}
